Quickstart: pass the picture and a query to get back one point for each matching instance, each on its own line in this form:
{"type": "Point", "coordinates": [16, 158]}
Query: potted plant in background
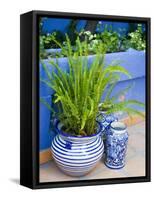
{"type": "Point", "coordinates": [78, 145]}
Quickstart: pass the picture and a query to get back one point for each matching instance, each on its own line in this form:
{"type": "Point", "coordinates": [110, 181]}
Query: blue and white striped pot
{"type": "Point", "coordinates": [76, 156]}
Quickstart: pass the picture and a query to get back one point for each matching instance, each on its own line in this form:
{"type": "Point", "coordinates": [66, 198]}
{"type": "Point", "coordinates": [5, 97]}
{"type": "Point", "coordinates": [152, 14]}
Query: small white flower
{"type": "Point", "coordinates": [90, 37]}
{"type": "Point", "coordinates": [94, 35]}
{"type": "Point", "coordinates": [87, 32]}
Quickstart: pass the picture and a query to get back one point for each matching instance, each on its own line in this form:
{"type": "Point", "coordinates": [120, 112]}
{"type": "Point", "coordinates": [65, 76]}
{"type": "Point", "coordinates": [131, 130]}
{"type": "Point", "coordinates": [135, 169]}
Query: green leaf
{"type": "Point", "coordinates": [120, 69]}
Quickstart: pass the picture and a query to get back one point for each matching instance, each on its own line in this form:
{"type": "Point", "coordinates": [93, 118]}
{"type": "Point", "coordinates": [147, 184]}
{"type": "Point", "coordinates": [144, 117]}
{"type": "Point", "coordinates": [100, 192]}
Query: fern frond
{"type": "Point", "coordinates": [120, 69]}
{"type": "Point", "coordinates": [125, 106]}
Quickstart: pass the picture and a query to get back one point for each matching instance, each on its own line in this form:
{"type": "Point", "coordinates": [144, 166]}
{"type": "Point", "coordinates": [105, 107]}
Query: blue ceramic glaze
{"type": "Point", "coordinates": [116, 145]}
{"type": "Point", "coordinates": [106, 119]}
{"type": "Point", "coordinates": [74, 155]}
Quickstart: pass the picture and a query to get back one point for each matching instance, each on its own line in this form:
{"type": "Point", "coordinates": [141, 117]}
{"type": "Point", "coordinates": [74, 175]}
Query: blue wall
{"type": "Point", "coordinates": [136, 91]}
{"type": "Point", "coordinates": [45, 135]}
{"type": "Point", "coordinates": [52, 24]}
{"type": "Point", "coordinates": [120, 27]}
{"type": "Point", "coordinates": [133, 61]}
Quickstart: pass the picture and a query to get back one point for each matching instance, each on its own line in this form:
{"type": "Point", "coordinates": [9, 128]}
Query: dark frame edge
{"type": "Point", "coordinates": [148, 101]}
{"type": "Point", "coordinates": [92, 182]}
{"type": "Point", "coordinates": [88, 15]}
{"type": "Point", "coordinates": [26, 157]}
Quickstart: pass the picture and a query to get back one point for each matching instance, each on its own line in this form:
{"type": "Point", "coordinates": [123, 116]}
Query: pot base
{"type": "Point", "coordinates": [77, 173]}
{"type": "Point", "coordinates": [114, 167]}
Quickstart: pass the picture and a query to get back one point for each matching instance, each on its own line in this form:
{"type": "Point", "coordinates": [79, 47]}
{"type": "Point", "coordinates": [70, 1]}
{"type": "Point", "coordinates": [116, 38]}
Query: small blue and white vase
{"type": "Point", "coordinates": [105, 120]}
{"type": "Point", "coordinates": [116, 145]}
{"type": "Point", "coordinates": [74, 155]}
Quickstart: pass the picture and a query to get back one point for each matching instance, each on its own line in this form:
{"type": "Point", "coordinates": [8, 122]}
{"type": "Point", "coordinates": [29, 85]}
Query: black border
{"type": "Point", "coordinates": [34, 171]}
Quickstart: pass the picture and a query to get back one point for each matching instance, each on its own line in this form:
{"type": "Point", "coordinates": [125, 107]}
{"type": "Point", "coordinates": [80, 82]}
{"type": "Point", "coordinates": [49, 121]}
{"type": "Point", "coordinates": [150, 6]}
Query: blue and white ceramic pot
{"type": "Point", "coordinates": [116, 145]}
{"type": "Point", "coordinates": [76, 156]}
{"type": "Point", "coordinates": [106, 119]}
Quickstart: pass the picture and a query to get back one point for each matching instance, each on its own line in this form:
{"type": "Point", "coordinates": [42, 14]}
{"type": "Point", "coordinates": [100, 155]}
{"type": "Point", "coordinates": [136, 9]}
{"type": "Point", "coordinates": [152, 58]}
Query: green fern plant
{"type": "Point", "coordinates": [78, 91]}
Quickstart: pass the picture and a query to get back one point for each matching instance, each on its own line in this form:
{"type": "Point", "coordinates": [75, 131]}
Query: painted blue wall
{"type": "Point", "coordinates": [45, 136]}
{"type": "Point", "coordinates": [51, 24]}
{"type": "Point", "coordinates": [133, 61]}
{"type": "Point", "coordinates": [136, 91]}
{"type": "Point", "coordinates": [120, 27]}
